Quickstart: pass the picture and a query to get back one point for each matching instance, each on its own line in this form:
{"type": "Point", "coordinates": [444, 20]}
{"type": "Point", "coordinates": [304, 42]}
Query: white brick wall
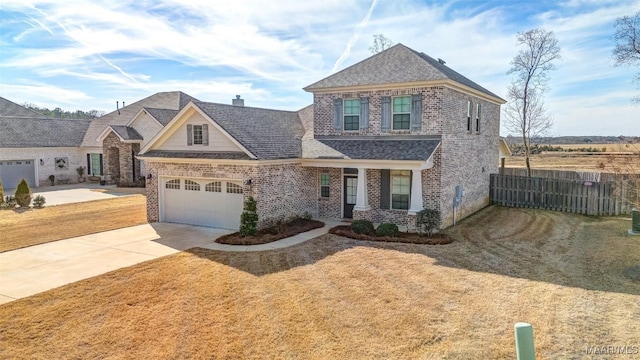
{"type": "Point", "coordinates": [48, 155]}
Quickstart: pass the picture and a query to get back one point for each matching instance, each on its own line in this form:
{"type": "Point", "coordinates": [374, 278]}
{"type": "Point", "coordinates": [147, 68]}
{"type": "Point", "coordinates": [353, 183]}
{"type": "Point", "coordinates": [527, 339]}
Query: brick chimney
{"type": "Point", "coordinates": [238, 101]}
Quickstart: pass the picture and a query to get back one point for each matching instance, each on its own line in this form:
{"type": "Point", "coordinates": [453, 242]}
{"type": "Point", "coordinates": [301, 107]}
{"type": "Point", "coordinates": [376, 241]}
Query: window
{"type": "Point", "coordinates": [18, 162]}
{"type": "Point", "coordinates": [400, 189]}
{"type": "Point", "coordinates": [27, 162]}
{"type": "Point", "coordinates": [173, 184]}
{"type": "Point", "coordinates": [95, 164]}
{"type": "Point", "coordinates": [401, 112]}
{"type": "Point", "coordinates": [215, 186]}
{"type": "Point", "coordinates": [469, 115]}
{"type": "Point", "coordinates": [197, 134]}
{"type": "Point", "coordinates": [352, 114]}
{"type": "Point", "coordinates": [325, 180]}
{"type": "Point", "coordinates": [477, 117]}
{"type": "Point", "coordinates": [234, 188]}
{"type": "Point", "coordinates": [191, 185]}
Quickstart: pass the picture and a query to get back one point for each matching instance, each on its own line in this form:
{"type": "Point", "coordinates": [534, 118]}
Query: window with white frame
{"type": "Point", "coordinates": [173, 184]}
{"type": "Point", "coordinates": [352, 114]}
{"type": "Point", "coordinates": [325, 181]}
{"type": "Point", "coordinates": [477, 117]}
{"type": "Point", "coordinates": [197, 134]}
{"type": "Point", "coordinates": [469, 115]}
{"type": "Point", "coordinates": [234, 188]}
{"type": "Point", "coordinates": [191, 185]}
{"type": "Point", "coordinates": [400, 189]}
{"type": "Point", "coordinates": [214, 186]}
{"type": "Point", "coordinates": [401, 112]}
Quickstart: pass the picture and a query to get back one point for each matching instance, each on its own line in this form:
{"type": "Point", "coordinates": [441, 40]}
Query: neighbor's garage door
{"type": "Point", "coordinates": [214, 203]}
{"type": "Point", "coordinates": [12, 171]}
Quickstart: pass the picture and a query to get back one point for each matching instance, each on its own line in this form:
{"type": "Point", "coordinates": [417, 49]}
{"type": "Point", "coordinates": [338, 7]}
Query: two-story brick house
{"type": "Point", "coordinates": [384, 138]}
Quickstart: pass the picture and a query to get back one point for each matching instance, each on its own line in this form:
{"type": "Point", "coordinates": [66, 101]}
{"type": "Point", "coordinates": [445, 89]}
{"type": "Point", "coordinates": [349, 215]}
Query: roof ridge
{"type": "Point", "coordinates": [243, 107]}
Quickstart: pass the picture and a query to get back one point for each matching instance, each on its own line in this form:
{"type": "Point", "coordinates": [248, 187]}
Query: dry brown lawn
{"type": "Point", "coordinates": [337, 298]}
{"type": "Point", "coordinates": [566, 161]}
{"type": "Point", "coordinates": [22, 228]}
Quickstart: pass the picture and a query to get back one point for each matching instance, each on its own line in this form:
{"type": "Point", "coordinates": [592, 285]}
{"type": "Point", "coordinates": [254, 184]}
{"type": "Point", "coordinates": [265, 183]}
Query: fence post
{"type": "Point", "coordinates": [524, 341]}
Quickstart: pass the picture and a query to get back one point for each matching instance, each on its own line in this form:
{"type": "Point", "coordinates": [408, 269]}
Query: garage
{"type": "Point", "coordinates": [204, 202]}
{"type": "Point", "coordinates": [12, 171]}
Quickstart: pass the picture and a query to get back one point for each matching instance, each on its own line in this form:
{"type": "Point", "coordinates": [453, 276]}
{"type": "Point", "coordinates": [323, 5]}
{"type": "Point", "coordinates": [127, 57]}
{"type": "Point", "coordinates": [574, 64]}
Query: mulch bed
{"type": "Point", "coordinates": [277, 232]}
{"type": "Point", "coordinates": [409, 238]}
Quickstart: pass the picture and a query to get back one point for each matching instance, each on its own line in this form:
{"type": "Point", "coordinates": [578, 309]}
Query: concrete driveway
{"type": "Point", "coordinates": [31, 270]}
{"type": "Point", "coordinates": [74, 193]}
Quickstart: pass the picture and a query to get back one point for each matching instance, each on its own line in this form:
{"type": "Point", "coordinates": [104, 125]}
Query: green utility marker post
{"type": "Point", "coordinates": [524, 341]}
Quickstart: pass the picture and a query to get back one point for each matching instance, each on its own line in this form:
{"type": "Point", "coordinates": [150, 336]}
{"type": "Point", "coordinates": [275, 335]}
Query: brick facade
{"type": "Point", "coordinates": [120, 165]}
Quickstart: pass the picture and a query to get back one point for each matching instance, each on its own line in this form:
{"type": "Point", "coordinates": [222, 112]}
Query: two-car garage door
{"type": "Point", "coordinates": [205, 202]}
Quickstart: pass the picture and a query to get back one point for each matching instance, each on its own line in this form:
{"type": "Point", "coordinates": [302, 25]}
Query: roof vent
{"type": "Point", "coordinates": [237, 101]}
{"type": "Point", "coordinates": [441, 61]}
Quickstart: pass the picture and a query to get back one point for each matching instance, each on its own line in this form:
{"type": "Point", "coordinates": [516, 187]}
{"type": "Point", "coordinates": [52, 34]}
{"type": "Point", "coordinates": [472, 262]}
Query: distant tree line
{"type": "Point", "coordinates": [64, 114]}
{"type": "Point", "coordinates": [518, 149]}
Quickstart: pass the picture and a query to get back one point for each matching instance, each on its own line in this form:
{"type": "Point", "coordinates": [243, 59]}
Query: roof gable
{"type": "Point", "coordinates": [396, 65]}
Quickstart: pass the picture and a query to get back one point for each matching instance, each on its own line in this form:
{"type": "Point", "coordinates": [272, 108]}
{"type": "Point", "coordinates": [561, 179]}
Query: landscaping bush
{"type": "Point", "coordinates": [38, 202]}
{"type": "Point", "coordinates": [387, 229]}
{"type": "Point", "coordinates": [1, 193]}
{"type": "Point", "coordinates": [249, 218]}
{"type": "Point", "coordinates": [9, 203]}
{"type": "Point", "coordinates": [428, 221]}
{"type": "Point", "coordinates": [363, 227]}
{"type": "Point", "coordinates": [23, 194]}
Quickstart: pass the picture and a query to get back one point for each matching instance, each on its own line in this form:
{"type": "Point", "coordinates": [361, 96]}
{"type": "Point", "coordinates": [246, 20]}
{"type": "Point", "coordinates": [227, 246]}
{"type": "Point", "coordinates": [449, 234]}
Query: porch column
{"type": "Point", "coordinates": [362, 198]}
{"type": "Point", "coordinates": [416, 191]}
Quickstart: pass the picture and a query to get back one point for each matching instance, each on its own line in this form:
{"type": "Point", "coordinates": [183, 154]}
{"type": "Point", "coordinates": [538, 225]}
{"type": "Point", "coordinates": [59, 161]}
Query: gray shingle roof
{"type": "Point", "coordinates": [9, 108]}
{"type": "Point", "coordinates": [372, 148]}
{"type": "Point", "coordinates": [164, 116]}
{"type": "Point", "coordinates": [174, 100]}
{"type": "Point", "coordinates": [398, 64]}
{"type": "Point", "coordinates": [267, 134]}
{"type": "Point", "coordinates": [23, 132]}
{"type": "Point", "coordinates": [126, 132]}
{"type": "Point", "coordinates": [196, 155]}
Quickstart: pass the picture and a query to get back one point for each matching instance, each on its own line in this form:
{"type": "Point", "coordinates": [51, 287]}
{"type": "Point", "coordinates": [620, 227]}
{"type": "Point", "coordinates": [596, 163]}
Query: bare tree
{"type": "Point", "coordinates": [525, 113]}
{"type": "Point", "coordinates": [627, 38]}
{"type": "Point", "coordinates": [380, 43]}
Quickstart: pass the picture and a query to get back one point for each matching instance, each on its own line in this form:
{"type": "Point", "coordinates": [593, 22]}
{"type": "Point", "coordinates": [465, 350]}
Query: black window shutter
{"type": "Point", "coordinates": [385, 188]}
{"type": "Point", "coordinates": [337, 114]}
{"type": "Point", "coordinates": [89, 164]}
{"type": "Point", "coordinates": [416, 112]}
{"type": "Point", "coordinates": [189, 135]}
{"type": "Point", "coordinates": [364, 113]}
{"type": "Point", "coordinates": [205, 134]}
{"type": "Point", "coordinates": [385, 113]}
{"type": "Point", "coordinates": [101, 168]}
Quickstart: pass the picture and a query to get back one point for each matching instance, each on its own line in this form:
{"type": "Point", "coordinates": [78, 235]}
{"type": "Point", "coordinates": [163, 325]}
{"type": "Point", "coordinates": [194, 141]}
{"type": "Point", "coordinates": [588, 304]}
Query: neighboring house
{"type": "Point", "coordinates": [33, 146]}
{"type": "Point", "coordinates": [385, 138]}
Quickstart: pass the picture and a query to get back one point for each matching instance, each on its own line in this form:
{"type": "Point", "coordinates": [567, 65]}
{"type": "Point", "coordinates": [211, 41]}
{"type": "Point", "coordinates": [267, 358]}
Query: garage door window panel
{"type": "Point", "coordinates": [173, 184]}
{"type": "Point", "coordinates": [215, 186]}
{"type": "Point", "coordinates": [191, 185]}
{"type": "Point", "coordinates": [234, 188]}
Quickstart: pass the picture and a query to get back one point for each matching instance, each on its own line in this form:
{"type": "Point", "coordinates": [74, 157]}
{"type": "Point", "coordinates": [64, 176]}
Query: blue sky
{"type": "Point", "coordinates": [88, 55]}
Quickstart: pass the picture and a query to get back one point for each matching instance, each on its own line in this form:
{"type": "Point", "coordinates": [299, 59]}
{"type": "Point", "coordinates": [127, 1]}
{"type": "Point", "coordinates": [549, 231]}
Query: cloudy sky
{"type": "Point", "coordinates": [89, 54]}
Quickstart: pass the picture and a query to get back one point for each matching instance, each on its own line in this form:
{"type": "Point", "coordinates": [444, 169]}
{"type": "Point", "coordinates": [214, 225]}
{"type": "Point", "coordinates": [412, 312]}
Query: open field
{"type": "Point", "coordinates": [22, 228]}
{"type": "Point", "coordinates": [334, 298]}
{"type": "Point", "coordinates": [607, 147]}
{"type": "Point", "coordinates": [565, 161]}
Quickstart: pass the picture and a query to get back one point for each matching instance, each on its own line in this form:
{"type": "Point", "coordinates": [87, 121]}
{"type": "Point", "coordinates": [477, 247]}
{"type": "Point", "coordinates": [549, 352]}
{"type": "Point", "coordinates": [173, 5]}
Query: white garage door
{"type": "Point", "coordinates": [12, 171]}
{"type": "Point", "coordinates": [214, 203]}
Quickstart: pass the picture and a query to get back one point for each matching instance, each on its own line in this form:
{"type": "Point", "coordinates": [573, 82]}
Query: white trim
{"type": "Point", "coordinates": [143, 110]}
{"type": "Point", "coordinates": [370, 164]}
{"type": "Point", "coordinates": [218, 161]}
{"type": "Point", "coordinates": [172, 127]}
{"type": "Point", "coordinates": [415, 196]}
{"type": "Point", "coordinates": [401, 113]}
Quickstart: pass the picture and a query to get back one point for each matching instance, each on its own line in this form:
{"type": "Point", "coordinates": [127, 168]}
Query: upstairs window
{"type": "Point", "coordinates": [401, 112]}
{"type": "Point", "coordinates": [325, 180]}
{"type": "Point", "coordinates": [352, 114]}
{"type": "Point", "coordinates": [197, 134]}
{"type": "Point", "coordinates": [477, 117]}
{"type": "Point", "coordinates": [469, 115]}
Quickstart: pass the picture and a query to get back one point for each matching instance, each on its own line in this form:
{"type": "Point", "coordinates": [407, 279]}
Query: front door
{"type": "Point", "coordinates": [349, 191]}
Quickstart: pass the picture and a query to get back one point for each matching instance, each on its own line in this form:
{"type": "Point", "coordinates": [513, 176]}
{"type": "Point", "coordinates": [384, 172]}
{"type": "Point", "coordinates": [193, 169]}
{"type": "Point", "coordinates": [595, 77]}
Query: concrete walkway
{"type": "Point", "coordinates": [28, 271]}
{"type": "Point", "coordinates": [75, 193]}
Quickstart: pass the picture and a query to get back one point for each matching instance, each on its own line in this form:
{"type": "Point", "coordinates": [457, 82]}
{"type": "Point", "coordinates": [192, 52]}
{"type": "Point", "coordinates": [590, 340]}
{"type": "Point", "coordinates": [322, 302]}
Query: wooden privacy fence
{"type": "Point", "coordinates": [573, 196]}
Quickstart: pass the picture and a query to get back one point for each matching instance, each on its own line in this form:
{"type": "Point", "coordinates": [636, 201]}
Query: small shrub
{"type": "Point", "coordinates": [362, 227]}
{"type": "Point", "coordinates": [23, 194]}
{"type": "Point", "coordinates": [9, 203]}
{"type": "Point", "coordinates": [306, 215]}
{"type": "Point", "coordinates": [39, 201]}
{"type": "Point", "coordinates": [52, 180]}
{"type": "Point", "coordinates": [428, 221]}
{"type": "Point", "coordinates": [249, 218]}
{"type": "Point", "coordinates": [387, 229]}
{"type": "Point", "coordinates": [1, 193]}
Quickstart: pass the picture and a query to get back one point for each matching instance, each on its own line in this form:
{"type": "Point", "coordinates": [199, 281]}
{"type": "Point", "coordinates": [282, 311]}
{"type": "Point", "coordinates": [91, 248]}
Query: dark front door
{"type": "Point", "coordinates": [349, 191]}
